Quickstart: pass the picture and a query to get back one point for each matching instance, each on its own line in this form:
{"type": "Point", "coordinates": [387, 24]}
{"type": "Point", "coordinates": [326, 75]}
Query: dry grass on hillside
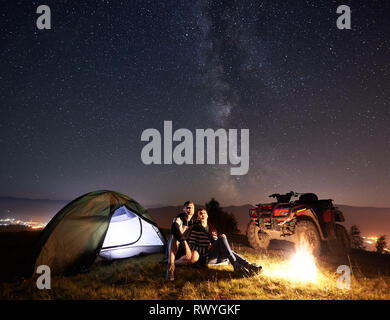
{"type": "Point", "coordinates": [143, 278]}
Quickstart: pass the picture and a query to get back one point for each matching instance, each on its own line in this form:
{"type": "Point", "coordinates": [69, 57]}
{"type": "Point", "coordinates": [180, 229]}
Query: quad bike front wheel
{"type": "Point", "coordinates": [258, 239]}
{"type": "Point", "coordinates": [306, 234]}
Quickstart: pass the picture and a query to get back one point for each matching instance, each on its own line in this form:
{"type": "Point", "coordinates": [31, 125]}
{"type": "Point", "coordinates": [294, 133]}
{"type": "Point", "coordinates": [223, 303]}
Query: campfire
{"type": "Point", "coordinates": [301, 267]}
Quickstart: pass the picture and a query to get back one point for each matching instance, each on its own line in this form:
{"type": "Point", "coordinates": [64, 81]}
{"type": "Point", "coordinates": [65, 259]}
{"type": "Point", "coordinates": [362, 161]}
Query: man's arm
{"type": "Point", "coordinates": [179, 236]}
{"type": "Point", "coordinates": [176, 230]}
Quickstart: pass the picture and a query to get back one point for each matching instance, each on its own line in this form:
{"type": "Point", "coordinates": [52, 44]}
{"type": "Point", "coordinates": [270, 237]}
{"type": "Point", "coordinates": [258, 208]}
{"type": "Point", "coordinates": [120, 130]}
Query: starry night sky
{"type": "Point", "coordinates": [75, 99]}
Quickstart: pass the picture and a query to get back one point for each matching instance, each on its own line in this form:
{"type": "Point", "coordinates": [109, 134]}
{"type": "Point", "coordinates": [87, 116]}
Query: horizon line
{"type": "Point", "coordinates": [153, 206]}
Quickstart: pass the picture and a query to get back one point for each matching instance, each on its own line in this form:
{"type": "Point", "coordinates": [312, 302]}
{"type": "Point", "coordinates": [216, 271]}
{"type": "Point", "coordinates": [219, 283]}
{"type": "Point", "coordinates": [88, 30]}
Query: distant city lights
{"type": "Point", "coordinates": [371, 242]}
{"type": "Point", "coordinates": [6, 222]}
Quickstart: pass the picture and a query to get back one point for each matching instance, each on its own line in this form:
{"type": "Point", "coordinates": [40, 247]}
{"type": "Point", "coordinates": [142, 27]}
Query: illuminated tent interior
{"type": "Point", "coordinates": [129, 235]}
{"type": "Point", "coordinates": [103, 224]}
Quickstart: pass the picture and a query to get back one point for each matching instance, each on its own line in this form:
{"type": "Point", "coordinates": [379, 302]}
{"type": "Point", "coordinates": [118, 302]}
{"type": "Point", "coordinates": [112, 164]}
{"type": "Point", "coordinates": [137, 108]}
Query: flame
{"type": "Point", "coordinates": [301, 267]}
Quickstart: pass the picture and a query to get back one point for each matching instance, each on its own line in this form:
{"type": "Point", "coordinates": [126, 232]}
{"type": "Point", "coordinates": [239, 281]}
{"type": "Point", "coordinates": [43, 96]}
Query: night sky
{"type": "Point", "coordinates": [75, 99]}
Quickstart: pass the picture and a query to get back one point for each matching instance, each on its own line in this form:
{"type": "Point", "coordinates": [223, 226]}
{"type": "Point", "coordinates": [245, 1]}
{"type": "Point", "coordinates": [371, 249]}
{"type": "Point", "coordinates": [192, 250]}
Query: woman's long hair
{"type": "Point", "coordinates": [197, 220]}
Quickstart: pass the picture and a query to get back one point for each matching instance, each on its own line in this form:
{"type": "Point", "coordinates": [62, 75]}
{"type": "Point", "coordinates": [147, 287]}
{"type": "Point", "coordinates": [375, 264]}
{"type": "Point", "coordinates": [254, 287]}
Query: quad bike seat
{"type": "Point", "coordinates": [308, 198]}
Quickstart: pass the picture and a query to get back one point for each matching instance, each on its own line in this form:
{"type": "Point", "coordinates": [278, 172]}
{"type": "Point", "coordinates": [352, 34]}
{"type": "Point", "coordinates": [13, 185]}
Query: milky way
{"type": "Point", "coordinates": [75, 99]}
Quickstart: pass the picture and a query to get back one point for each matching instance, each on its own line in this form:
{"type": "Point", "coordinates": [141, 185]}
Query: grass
{"type": "Point", "coordinates": [143, 278]}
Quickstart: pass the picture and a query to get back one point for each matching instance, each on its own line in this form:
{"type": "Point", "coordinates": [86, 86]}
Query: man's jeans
{"type": "Point", "coordinates": [180, 249]}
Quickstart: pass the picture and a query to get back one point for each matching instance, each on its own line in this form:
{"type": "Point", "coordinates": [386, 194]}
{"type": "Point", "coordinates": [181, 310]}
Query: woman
{"type": "Point", "coordinates": [207, 248]}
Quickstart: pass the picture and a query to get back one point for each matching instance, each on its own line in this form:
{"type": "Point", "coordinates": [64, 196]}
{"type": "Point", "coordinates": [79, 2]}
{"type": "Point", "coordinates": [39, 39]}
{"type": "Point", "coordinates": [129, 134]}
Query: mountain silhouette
{"type": "Point", "coordinates": [371, 221]}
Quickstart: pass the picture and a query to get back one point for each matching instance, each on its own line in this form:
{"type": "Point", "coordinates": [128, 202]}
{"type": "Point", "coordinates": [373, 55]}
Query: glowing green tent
{"type": "Point", "coordinates": [101, 223]}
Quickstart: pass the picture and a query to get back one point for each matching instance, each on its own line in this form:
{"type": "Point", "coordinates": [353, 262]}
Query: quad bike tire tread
{"type": "Point", "coordinates": [257, 239]}
{"type": "Point", "coordinates": [341, 245]}
{"type": "Point", "coordinates": [306, 231]}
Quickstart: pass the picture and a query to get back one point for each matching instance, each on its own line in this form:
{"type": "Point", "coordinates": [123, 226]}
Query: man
{"type": "Point", "coordinates": [180, 225]}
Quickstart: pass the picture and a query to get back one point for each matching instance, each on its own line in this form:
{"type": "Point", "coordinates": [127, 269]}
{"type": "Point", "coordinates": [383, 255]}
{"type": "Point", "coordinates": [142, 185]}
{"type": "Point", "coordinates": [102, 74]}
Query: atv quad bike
{"type": "Point", "coordinates": [306, 219]}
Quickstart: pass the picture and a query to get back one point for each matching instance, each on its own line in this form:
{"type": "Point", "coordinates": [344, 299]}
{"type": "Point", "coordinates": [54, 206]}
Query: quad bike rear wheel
{"type": "Point", "coordinates": [341, 245]}
{"type": "Point", "coordinates": [306, 233]}
{"type": "Point", "coordinates": [258, 239]}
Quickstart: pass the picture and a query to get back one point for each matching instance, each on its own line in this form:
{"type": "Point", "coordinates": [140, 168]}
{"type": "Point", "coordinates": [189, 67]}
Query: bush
{"type": "Point", "coordinates": [224, 222]}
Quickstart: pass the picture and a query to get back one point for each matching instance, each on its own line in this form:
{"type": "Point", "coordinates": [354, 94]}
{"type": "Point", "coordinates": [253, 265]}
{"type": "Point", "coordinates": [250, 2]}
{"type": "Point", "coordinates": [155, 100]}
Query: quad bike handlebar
{"type": "Point", "coordinates": [291, 194]}
{"type": "Point", "coordinates": [305, 197]}
{"type": "Point", "coordinates": [284, 197]}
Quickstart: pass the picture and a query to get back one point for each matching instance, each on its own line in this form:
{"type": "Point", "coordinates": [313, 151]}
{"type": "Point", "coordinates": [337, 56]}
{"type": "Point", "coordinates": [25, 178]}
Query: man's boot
{"type": "Point", "coordinates": [170, 275]}
{"type": "Point", "coordinates": [240, 270]}
{"type": "Point", "coordinates": [254, 269]}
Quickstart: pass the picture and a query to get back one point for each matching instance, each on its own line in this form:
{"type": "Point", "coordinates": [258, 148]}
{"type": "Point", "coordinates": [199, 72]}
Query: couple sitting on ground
{"type": "Point", "coordinates": [201, 244]}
